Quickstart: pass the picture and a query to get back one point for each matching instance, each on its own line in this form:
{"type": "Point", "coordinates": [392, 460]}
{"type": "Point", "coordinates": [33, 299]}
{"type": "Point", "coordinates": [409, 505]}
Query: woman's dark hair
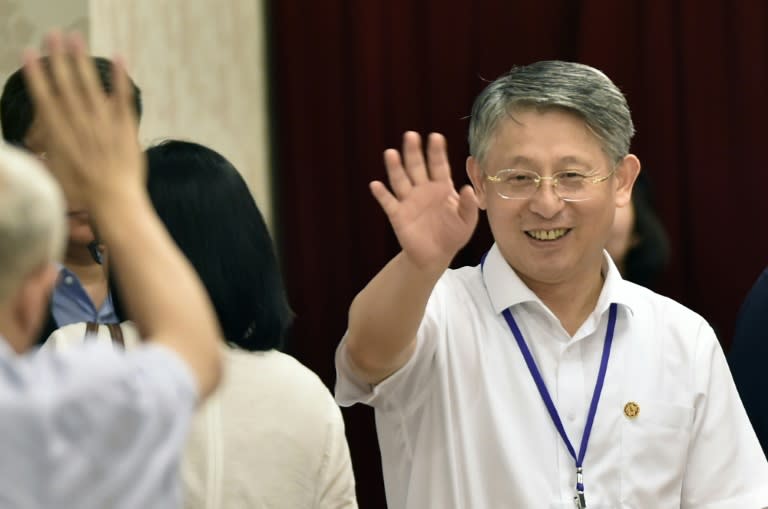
{"type": "Point", "coordinates": [210, 213]}
{"type": "Point", "coordinates": [648, 257]}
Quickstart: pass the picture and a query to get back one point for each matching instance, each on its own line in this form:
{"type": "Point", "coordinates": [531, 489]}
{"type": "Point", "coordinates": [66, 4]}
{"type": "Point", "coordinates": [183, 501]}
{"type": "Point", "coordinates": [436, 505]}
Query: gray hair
{"type": "Point", "coordinates": [32, 218]}
{"type": "Point", "coordinates": [577, 88]}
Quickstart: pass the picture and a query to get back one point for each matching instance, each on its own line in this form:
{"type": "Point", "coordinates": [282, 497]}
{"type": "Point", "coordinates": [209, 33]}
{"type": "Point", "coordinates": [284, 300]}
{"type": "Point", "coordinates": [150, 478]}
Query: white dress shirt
{"type": "Point", "coordinates": [462, 424]}
{"type": "Point", "coordinates": [93, 428]}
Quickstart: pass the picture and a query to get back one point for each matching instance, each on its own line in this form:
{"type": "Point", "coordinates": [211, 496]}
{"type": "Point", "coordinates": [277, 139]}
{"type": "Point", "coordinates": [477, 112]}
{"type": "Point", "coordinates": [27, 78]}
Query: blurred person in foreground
{"type": "Point", "coordinates": [95, 427]}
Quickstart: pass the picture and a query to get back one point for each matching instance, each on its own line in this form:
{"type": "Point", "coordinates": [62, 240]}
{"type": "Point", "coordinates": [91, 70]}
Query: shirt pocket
{"type": "Point", "coordinates": [654, 451]}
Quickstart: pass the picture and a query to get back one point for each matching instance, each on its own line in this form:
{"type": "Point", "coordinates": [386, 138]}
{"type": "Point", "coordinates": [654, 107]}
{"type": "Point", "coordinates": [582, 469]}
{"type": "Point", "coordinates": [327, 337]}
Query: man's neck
{"type": "Point", "coordinates": [80, 261]}
{"type": "Point", "coordinates": [571, 301]}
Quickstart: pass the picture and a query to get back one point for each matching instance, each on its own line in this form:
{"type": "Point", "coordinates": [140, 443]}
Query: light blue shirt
{"type": "Point", "coordinates": [71, 303]}
{"type": "Point", "coordinates": [93, 427]}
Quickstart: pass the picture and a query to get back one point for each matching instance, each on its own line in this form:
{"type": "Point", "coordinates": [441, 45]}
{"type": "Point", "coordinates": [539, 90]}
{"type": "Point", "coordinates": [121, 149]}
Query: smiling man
{"type": "Point", "coordinates": [81, 293]}
{"type": "Point", "coordinates": [539, 378]}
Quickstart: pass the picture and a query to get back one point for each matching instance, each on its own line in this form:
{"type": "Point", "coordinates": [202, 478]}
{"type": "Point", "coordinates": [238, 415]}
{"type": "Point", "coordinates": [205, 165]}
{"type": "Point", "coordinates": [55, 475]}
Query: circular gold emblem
{"type": "Point", "coordinates": [631, 409]}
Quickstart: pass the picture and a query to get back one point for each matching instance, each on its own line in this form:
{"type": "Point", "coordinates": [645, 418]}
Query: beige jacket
{"type": "Point", "coordinates": [272, 436]}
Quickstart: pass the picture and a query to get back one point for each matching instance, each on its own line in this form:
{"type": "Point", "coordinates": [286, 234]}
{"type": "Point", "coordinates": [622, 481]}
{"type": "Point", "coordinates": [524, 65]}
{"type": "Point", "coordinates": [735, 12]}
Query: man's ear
{"type": "Point", "coordinates": [626, 174]}
{"type": "Point", "coordinates": [477, 177]}
{"type": "Point", "coordinates": [33, 299]}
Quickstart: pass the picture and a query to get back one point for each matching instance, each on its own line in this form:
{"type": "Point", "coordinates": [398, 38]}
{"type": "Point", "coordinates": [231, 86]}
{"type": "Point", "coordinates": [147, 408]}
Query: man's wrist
{"type": "Point", "coordinates": [117, 202]}
{"type": "Point", "coordinates": [431, 271]}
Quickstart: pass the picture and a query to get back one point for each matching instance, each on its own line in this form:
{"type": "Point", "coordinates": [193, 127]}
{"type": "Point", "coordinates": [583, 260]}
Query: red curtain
{"type": "Point", "coordinates": [349, 77]}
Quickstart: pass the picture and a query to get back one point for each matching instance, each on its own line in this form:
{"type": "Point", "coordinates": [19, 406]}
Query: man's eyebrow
{"type": "Point", "coordinates": [564, 161]}
{"type": "Point", "coordinates": [573, 160]}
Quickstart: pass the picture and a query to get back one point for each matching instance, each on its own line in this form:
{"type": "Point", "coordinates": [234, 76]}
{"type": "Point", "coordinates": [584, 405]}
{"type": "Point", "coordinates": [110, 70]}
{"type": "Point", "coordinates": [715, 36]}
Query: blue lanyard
{"type": "Point", "coordinates": [537, 378]}
{"type": "Point", "coordinates": [551, 405]}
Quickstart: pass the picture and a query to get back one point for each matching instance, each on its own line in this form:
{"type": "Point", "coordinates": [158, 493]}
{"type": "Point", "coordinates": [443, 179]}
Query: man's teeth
{"type": "Point", "coordinates": [547, 234]}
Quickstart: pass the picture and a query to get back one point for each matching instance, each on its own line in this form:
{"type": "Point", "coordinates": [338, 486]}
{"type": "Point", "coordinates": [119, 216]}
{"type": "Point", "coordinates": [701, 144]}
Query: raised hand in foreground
{"type": "Point", "coordinates": [91, 137]}
{"type": "Point", "coordinates": [95, 155]}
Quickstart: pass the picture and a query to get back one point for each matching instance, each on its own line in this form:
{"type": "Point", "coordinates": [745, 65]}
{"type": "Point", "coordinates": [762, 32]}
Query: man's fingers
{"type": "Point", "coordinates": [123, 91]}
{"type": "Point", "coordinates": [437, 158]}
{"type": "Point", "coordinates": [413, 158]}
{"type": "Point", "coordinates": [398, 179]}
{"type": "Point", "coordinates": [64, 81]}
{"type": "Point", "coordinates": [38, 84]}
{"type": "Point", "coordinates": [86, 78]}
{"type": "Point", "coordinates": [387, 201]}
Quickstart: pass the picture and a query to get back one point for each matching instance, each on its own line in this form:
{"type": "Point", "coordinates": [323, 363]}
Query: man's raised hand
{"type": "Point", "coordinates": [430, 219]}
{"type": "Point", "coordinates": [90, 136]}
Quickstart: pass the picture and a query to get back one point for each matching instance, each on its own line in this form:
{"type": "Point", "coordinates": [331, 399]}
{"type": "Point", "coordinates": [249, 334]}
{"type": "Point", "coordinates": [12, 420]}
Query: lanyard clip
{"type": "Point", "coordinates": [579, 500]}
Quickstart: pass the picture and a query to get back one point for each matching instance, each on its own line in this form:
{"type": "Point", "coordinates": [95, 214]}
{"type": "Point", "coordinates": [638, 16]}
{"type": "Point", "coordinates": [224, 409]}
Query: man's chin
{"type": "Point", "coordinates": [80, 231]}
{"type": "Point", "coordinates": [80, 240]}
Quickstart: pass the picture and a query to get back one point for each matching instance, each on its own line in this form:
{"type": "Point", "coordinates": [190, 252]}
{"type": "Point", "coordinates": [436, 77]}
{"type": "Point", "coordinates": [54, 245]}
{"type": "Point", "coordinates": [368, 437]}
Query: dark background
{"type": "Point", "coordinates": [348, 77]}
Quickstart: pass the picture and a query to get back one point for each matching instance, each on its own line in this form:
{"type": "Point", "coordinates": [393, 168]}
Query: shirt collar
{"type": "Point", "coordinates": [506, 289]}
{"type": "Point", "coordinates": [64, 271]}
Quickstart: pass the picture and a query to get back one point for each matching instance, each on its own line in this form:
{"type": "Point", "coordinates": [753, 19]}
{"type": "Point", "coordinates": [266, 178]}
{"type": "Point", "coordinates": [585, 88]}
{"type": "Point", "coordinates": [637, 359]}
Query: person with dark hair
{"type": "Point", "coordinates": [748, 354]}
{"type": "Point", "coordinates": [211, 214]}
{"type": "Point", "coordinates": [81, 292]}
{"type": "Point", "coordinates": [94, 428]}
{"type": "Point", "coordinates": [638, 242]}
{"type": "Point", "coordinates": [273, 435]}
{"type": "Point", "coordinates": [538, 378]}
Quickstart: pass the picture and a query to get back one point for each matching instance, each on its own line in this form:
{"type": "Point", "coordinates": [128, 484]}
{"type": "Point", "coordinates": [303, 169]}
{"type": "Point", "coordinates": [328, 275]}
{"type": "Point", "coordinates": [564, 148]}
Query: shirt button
{"type": "Point", "coordinates": [68, 280]}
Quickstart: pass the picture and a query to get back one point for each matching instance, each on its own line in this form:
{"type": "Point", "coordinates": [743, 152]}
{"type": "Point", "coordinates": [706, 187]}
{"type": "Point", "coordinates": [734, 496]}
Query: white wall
{"type": "Point", "coordinates": [201, 65]}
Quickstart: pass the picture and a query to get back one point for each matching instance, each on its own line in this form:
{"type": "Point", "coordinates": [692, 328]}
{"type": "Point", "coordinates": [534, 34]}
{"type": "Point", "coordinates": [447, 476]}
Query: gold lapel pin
{"type": "Point", "coordinates": [631, 409]}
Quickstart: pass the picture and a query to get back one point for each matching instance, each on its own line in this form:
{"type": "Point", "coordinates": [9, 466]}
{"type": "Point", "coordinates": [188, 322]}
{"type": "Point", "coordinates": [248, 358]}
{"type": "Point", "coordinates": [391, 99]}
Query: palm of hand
{"type": "Point", "coordinates": [91, 135]}
{"type": "Point", "coordinates": [428, 222]}
{"type": "Point", "coordinates": [431, 220]}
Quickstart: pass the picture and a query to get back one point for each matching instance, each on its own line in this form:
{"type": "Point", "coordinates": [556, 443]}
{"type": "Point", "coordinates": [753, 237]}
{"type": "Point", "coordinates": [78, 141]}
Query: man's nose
{"type": "Point", "coordinates": [545, 201]}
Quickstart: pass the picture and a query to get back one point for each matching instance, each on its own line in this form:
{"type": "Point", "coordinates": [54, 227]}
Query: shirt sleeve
{"type": "Point", "coordinates": [111, 426]}
{"type": "Point", "coordinates": [405, 388]}
{"type": "Point", "coordinates": [726, 466]}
